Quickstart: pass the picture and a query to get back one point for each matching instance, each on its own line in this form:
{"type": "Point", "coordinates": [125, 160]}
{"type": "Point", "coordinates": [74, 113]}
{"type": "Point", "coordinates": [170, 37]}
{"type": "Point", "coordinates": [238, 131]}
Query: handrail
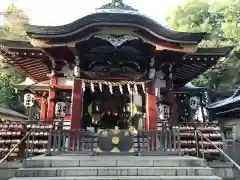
{"type": "Point", "coordinates": [220, 150]}
{"type": "Point", "coordinates": [18, 144]}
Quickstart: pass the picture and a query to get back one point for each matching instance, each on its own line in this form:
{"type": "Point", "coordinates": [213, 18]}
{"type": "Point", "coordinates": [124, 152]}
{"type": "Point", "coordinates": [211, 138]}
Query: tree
{"type": "Point", "coordinates": [13, 29]}
{"type": "Point", "coordinates": [9, 96]}
{"type": "Point", "coordinates": [222, 21]}
{"type": "Point", "coordinates": [14, 23]}
{"type": "Point", "coordinates": [191, 16]}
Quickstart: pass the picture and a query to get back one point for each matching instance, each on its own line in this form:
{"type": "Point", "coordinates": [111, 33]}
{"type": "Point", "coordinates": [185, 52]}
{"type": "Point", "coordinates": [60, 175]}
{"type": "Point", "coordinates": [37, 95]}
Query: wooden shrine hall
{"type": "Point", "coordinates": [110, 58]}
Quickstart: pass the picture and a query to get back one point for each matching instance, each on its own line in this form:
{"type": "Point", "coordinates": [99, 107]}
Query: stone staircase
{"type": "Point", "coordinates": [77, 167]}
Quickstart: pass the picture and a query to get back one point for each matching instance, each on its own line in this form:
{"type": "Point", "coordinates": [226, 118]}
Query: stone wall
{"type": "Point", "coordinates": [233, 123]}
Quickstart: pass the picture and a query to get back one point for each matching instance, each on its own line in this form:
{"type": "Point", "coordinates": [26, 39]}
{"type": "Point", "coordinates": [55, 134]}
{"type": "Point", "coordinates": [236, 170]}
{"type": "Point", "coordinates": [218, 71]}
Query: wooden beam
{"type": "Point", "coordinates": [62, 86]}
{"type": "Point", "coordinates": [50, 57]}
{"type": "Point", "coordinates": [73, 49]}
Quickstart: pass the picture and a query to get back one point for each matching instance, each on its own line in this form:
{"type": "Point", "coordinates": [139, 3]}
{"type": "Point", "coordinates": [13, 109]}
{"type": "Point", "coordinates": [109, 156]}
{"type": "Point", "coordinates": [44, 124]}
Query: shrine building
{"type": "Point", "coordinates": [105, 62]}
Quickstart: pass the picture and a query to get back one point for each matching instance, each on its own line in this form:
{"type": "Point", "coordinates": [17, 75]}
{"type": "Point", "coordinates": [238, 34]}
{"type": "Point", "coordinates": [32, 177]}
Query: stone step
{"type": "Point", "coordinates": [114, 161]}
{"type": "Point", "coordinates": [122, 178]}
{"type": "Point", "coordinates": [114, 171]}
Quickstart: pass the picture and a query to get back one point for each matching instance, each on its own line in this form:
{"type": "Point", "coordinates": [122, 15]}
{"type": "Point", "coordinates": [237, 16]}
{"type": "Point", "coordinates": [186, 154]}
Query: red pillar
{"type": "Point", "coordinates": [43, 112]}
{"type": "Point", "coordinates": [77, 94]}
{"type": "Point", "coordinates": [51, 103]}
{"type": "Point", "coordinates": [151, 111]}
{"type": "Point", "coordinates": [43, 106]}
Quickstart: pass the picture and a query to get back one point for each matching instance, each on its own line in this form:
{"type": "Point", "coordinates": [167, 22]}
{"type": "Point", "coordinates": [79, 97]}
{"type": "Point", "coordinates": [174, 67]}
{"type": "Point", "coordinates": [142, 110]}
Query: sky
{"type": "Point", "coordinates": [59, 12]}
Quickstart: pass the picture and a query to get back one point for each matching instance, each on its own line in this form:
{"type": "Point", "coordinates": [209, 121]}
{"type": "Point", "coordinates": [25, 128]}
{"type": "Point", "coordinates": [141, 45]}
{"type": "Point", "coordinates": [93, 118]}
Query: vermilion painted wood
{"type": "Point", "coordinates": [77, 94]}
{"type": "Point", "coordinates": [51, 104]}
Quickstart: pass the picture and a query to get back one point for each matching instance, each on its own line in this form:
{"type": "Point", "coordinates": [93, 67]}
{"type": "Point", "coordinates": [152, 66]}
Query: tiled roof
{"type": "Point", "coordinates": [231, 100]}
{"type": "Point", "coordinates": [9, 112]}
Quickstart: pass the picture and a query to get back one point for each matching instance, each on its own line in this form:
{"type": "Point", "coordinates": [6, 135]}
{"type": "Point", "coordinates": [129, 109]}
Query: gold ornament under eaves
{"type": "Point", "coordinates": [185, 48]}
{"type": "Point", "coordinates": [115, 140]}
{"type": "Point", "coordinates": [160, 48]}
{"type": "Point", "coordinates": [39, 43]}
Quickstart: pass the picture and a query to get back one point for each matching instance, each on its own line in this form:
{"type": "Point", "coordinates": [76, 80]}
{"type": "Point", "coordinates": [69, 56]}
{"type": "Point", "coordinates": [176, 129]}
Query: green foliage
{"type": "Point", "coordinates": [9, 96]}
{"type": "Point", "coordinates": [221, 18]}
{"type": "Point", "coordinates": [14, 22]}
{"type": "Point", "coordinates": [10, 72]}
{"type": "Point", "coordinates": [191, 16]}
{"type": "Point", "coordinates": [14, 29]}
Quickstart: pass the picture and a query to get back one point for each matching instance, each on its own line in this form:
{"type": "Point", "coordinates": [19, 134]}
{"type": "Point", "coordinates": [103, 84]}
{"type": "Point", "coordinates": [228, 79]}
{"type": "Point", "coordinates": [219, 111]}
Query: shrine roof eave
{"type": "Point", "coordinates": [31, 85]}
{"type": "Point", "coordinates": [198, 62]}
{"type": "Point", "coordinates": [35, 87]}
{"type": "Point", "coordinates": [133, 20]}
{"type": "Point", "coordinates": [189, 88]}
{"type": "Point", "coordinates": [194, 64]}
{"type": "Point", "coordinates": [219, 51]}
{"type": "Point", "coordinates": [9, 112]}
{"type": "Point", "coordinates": [223, 115]}
{"type": "Point", "coordinates": [16, 44]}
{"type": "Point", "coordinates": [234, 99]}
{"type": "Point", "coordinates": [223, 103]}
{"type": "Point", "coordinates": [26, 58]}
{"type": "Point", "coordinates": [26, 45]}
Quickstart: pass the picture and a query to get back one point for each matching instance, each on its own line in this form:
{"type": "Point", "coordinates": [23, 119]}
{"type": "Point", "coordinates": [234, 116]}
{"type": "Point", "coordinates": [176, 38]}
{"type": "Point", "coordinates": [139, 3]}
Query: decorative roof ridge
{"type": "Point", "coordinates": [117, 4]}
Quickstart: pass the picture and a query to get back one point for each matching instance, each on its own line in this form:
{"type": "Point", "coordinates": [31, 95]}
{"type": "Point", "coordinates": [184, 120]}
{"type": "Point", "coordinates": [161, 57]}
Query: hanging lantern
{"type": "Point", "coordinates": [92, 87]}
{"type": "Point", "coordinates": [120, 89]}
{"type": "Point", "coordinates": [28, 100]}
{"type": "Point", "coordinates": [164, 112]}
{"type": "Point", "coordinates": [100, 86]}
{"type": "Point", "coordinates": [83, 86]}
{"type": "Point", "coordinates": [110, 88]}
{"type": "Point", "coordinates": [194, 102]}
{"type": "Point", "coordinates": [60, 109]}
